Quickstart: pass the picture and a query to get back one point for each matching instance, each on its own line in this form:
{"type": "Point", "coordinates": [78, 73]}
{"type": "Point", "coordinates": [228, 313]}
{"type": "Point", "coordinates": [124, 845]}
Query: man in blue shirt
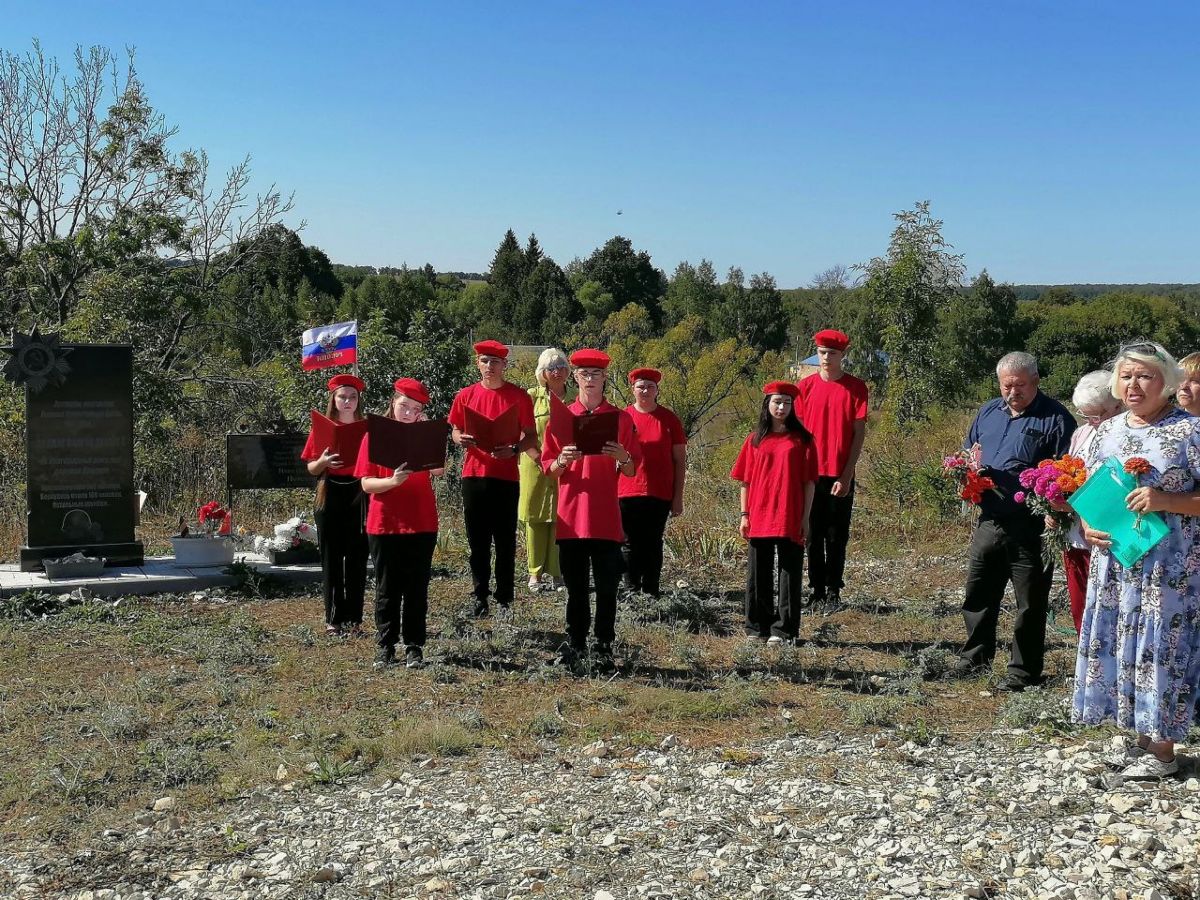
{"type": "Point", "coordinates": [1014, 432]}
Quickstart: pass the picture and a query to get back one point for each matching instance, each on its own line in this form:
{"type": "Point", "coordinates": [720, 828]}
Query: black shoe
{"type": "Point", "coordinates": [602, 658]}
{"type": "Point", "coordinates": [1012, 684]}
{"type": "Point", "coordinates": [964, 668]}
{"type": "Point", "coordinates": [569, 657]}
{"type": "Point", "coordinates": [385, 657]}
{"type": "Point", "coordinates": [481, 610]}
{"type": "Point", "coordinates": [833, 604]}
{"type": "Point", "coordinates": [413, 658]}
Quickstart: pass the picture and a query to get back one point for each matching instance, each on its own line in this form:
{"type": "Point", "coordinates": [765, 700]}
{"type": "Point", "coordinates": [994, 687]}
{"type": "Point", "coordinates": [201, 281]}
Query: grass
{"type": "Point", "coordinates": [106, 707]}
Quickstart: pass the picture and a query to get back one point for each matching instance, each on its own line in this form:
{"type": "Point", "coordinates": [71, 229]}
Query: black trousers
{"type": "Point", "coordinates": [490, 516]}
{"type": "Point", "coordinates": [644, 521]}
{"type": "Point", "coordinates": [829, 522]}
{"type": "Point", "coordinates": [402, 568]}
{"type": "Point", "coordinates": [1002, 552]}
{"type": "Point", "coordinates": [342, 540]}
{"type": "Point", "coordinates": [576, 556]}
{"type": "Point", "coordinates": [764, 616]}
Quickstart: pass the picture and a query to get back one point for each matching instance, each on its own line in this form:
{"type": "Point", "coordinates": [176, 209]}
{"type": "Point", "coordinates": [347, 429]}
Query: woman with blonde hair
{"type": "Point", "coordinates": [537, 506]}
{"type": "Point", "coordinates": [1139, 645]}
{"type": "Point", "coordinates": [1187, 395]}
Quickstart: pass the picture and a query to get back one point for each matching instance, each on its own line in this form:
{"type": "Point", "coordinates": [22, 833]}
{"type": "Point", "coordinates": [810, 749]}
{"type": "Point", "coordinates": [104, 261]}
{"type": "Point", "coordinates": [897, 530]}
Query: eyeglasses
{"type": "Point", "coordinates": [557, 367]}
{"type": "Point", "coordinates": [590, 373]}
{"type": "Point", "coordinates": [1145, 349]}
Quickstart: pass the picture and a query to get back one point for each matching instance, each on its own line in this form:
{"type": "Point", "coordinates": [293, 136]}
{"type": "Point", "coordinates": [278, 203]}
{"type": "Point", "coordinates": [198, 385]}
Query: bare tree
{"type": "Point", "coordinates": [91, 184]}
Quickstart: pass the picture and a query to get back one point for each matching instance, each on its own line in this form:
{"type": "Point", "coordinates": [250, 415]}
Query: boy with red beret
{"type": "Point", "coordinates": [589, 529]}
{"type": "Point", "coordinates": [833, 405]}
{"type": "Point", "coordinates": [338, 514]}
{"type": "Point", "coordinates": [491, 481]}
{"type": "Point", "coordinates": [655, 491]}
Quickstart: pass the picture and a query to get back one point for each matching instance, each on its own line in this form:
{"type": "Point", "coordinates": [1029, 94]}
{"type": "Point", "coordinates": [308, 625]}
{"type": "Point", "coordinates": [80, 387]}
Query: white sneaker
{"type": "Point", "coordinates": [774, 641]}
{"type": "Point", "coordinates": [535, 584]}
{"type": "Point", "coordinates": [1120, 759]}
{"type": "Point", "coordinates": [1149, 768]}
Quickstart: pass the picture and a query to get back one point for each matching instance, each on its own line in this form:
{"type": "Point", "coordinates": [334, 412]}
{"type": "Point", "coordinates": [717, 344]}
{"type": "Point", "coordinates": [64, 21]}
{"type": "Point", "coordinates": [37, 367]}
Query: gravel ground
{"type": "Point", "coordinates": [1005, 815]}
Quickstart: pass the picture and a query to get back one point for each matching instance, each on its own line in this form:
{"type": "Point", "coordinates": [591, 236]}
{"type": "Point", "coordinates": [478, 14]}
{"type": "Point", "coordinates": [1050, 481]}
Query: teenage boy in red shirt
{"type": "Point", "coordinates": [491, 481]}
{"type": "Point", "coordinates": [833, 406]}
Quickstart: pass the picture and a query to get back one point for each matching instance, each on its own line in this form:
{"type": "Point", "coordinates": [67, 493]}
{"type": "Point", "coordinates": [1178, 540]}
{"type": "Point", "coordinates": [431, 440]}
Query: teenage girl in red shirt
{"type": "Point", "coordinates": [339, 515]}
{"type": "Point", "coordinates": [777, 467]}
{"type": "Point", "coordinates": [402, 526]}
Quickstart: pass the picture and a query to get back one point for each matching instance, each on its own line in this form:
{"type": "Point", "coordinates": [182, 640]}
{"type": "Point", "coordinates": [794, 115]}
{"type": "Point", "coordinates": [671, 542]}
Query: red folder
{"type": "Point", "coordinates": [589, 432]}
{"type": "Point", "coordinates": [342, 438]}
{"type": "Point", "coordinates": [489, 434]}
{"type": "Point", "coordinates": [419, 445]}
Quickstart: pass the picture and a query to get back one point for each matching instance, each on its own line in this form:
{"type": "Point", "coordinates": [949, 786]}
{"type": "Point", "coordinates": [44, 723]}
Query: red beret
{"type": "Point", "coordinates": [491, 348]}
{"type": "Point", "coordinates": [353, 381]}
{"type": "Point", "coordinates": [590, 359]}
{"type": "Point", "coordinates": [412, 389]}
{"type": "Point", "coordinates": [645, 375]}
{"type": "Point", "coordinates": [781, 387]}
{"type": "Point", "coordinates": [834, 340]}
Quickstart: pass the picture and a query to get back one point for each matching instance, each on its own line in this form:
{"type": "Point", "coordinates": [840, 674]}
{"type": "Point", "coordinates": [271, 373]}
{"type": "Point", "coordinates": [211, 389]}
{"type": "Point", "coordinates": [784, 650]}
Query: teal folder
{"type": "Point", "coordinates": [1101, 503]}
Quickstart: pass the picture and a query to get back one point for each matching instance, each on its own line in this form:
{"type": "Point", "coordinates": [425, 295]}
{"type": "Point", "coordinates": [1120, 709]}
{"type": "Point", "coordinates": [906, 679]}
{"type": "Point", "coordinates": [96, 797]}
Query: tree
{"type": "Point", "coordinates": [908, 289]}
{"type": "Point", "coordinates": [978, 327]}
{"type": "Point", "coordinates": [90, 188]}
{"type": "Point", "coordinates": [628, 275]}
{"type": "Point", "coordinates": [507, 274]}
{"type": "Point", "coordinates": [548, 307]}
{"type": "Point", "coordinates": [692, 291]}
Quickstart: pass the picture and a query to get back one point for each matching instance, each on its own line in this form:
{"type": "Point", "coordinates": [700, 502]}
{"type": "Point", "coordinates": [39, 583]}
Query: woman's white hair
{"type": "Point", "coordinates": [1094, 391]}
{"type": "Point", "coordinates": [1148, 353]}
{"type": "Point", "coordinates": [547, 358]}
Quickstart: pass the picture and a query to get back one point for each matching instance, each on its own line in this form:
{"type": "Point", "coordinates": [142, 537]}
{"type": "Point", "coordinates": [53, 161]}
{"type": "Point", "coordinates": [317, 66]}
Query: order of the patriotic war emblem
{"type": "Point", "coordinates": [37, 360]}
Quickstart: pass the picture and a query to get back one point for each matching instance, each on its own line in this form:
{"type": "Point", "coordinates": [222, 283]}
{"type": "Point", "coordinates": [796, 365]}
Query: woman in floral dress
{"type": "Point", "coordinates": [1139, 647]}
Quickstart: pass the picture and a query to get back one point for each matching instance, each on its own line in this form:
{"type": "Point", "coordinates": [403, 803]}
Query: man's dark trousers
{"type": "Point", "coordinates": [644, 521]}
{"type": "Point", "coordinates": [577, 557]}
{"type": "Point", "coordinates": [1004, 550]}
{"type": "Point", "coordinates": [490, 517]}
{"type": "Point", "coordinates": [829, 521]}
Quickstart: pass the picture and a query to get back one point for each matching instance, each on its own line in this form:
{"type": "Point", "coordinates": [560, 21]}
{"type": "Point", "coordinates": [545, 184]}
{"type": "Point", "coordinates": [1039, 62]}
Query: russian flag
{"type": "Point", "coordinates": [330, 345]}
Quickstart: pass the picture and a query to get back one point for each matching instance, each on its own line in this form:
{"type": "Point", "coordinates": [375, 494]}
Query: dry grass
{"type": "Point", "coordinates": [105, 708]}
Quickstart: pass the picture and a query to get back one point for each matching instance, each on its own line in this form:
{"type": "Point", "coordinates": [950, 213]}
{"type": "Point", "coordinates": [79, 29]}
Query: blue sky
{"type": "Point", "coordinates": [1059, 141]}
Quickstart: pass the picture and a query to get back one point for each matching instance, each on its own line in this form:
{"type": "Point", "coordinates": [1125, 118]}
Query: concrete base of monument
{"type": "Point", "coordinates": [131, 553]}
{"type": "Point", "coordinates": [155, 575]}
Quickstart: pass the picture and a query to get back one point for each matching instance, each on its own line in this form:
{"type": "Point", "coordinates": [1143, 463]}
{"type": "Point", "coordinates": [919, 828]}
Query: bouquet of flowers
{"type": "Point", "coordinates": [964, 468]}
{"type": "Point", "coordinates": [214, 521]}
{"type": "Point", "coordinates": [1047, 487]}
{"type": "Point", "coordinates": [1138, 466]}
{"type": "Point", "coordinates": [287, 536]}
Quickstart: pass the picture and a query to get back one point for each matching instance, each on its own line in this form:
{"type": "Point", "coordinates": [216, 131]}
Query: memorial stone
{"type": "Point", "coordinates": [79, 451]}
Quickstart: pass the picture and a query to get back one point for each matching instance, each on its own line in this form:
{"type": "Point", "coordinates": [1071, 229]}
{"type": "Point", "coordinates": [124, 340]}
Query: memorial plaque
{"type": "Point", "coordinates": [79, 454]}
{"type": "Point", "coordinates": [264, 461]}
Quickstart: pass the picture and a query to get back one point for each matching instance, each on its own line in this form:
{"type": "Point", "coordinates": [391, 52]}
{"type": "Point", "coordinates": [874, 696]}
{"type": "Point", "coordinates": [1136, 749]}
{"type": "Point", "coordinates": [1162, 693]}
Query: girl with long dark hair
{"type": "Point", "coordinates": [777, 467]}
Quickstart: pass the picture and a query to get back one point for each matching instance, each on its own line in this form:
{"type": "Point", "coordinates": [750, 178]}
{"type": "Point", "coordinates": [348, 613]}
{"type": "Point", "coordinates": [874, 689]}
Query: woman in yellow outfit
{"type": "Point", "coordinates": [537, 507]}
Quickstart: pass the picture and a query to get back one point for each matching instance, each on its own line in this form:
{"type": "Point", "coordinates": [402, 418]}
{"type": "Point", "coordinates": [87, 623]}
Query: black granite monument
{"type": "Point", "coordinates": [79, 449]}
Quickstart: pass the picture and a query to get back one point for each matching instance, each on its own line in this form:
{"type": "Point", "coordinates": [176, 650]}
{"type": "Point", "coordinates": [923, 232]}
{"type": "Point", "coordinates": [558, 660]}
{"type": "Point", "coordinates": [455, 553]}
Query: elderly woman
{"type": "Point", "coordinates": [1095, 403]}
{"type": "Point", "coordinates": [537, 507]}
{"type": "Point", "coordinates": [1139, 645]}
{"type": "Point", "coordinates": [1187, 396]}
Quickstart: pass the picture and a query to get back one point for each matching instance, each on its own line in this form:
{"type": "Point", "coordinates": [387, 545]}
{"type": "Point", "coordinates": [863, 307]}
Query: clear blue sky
{"type": "Point", "coordinates": [1059, 141]}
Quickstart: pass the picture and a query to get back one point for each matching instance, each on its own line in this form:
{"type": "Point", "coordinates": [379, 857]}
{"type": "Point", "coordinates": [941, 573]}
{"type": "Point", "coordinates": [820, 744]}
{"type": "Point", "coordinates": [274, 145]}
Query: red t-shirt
{"type": "Point", "coordinates": [829, 410]}
{"type": "Point", "coordinates": [407, 509]}
{"type": "Point", "coordinates": [658, 432]}
{"type": "Point", "coordinates": [587, 490]}
{"type": "Point", "coordinates": [311, 451]}
{"type": "Point", "coordinates": [491, 403]}
{"type": "Point", "coordinates": [775, 473]}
